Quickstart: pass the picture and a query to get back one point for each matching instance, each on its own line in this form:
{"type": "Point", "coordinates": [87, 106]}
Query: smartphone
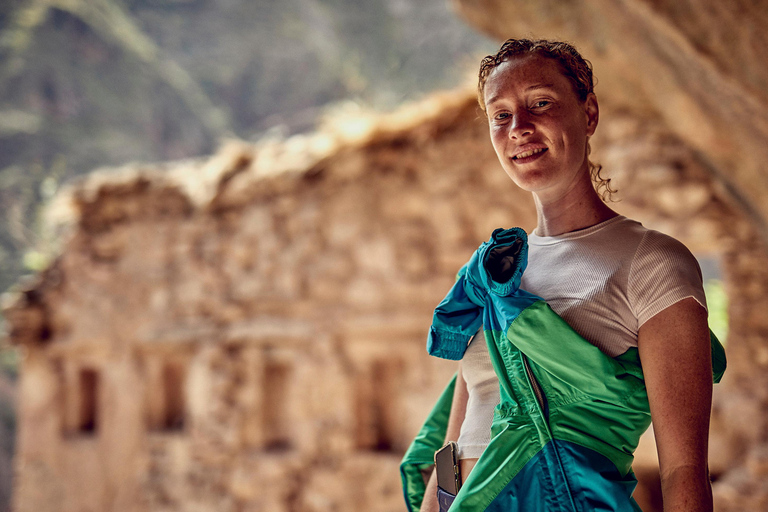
{"type": "Point", "coordinates": [447, 467]}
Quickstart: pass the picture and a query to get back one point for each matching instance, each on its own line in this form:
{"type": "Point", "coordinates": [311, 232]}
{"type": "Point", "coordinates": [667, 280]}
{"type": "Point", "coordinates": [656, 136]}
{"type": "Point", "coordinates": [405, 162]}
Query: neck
{"type": "Point", "coordinates": [578, 208]}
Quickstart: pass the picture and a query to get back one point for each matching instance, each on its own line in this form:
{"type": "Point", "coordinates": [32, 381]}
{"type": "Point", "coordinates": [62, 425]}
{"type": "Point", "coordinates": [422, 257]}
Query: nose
{"type": "Point", "coordinates": [521, 125]}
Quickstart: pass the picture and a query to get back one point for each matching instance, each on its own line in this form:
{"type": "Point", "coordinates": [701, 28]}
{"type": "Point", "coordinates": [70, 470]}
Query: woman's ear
{"type": "Point", "coordinates": [592, 111]}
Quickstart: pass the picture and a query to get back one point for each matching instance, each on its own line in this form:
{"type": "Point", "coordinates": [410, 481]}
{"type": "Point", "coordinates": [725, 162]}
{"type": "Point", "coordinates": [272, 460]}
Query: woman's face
{"type": "Point", "coordinates": [538, 126]}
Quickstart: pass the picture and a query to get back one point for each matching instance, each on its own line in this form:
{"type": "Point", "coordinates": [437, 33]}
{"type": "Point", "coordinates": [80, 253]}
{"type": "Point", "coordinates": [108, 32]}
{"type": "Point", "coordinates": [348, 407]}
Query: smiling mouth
{"type": "Point", "coordinates": [528, 154]}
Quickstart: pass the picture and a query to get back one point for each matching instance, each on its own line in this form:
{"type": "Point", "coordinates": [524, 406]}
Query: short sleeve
{"type": "Point", "coordinates": [663, 272]}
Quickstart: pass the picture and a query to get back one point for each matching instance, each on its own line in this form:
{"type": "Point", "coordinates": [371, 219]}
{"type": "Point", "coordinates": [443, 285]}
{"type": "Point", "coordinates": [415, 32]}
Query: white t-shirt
{"type": "Point", "coordinates": [605, 281]}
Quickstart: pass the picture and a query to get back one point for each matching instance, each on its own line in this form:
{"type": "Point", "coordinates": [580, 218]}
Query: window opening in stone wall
{"type": "Point", "coordinates": [165, 397]}
{"type": "Point", "coordinates": [174, 376]}
{"type": "Point", "coordinates": [88, 408]}
{"type": "Point", "coordinates": [275, 406]}
{"type": "Point", "coordinates": [376, 402]}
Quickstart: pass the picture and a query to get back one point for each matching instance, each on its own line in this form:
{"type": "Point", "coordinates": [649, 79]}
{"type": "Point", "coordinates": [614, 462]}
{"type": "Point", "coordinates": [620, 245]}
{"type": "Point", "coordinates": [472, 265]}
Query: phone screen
{"type": "Point", "coordinates": [446, 466]}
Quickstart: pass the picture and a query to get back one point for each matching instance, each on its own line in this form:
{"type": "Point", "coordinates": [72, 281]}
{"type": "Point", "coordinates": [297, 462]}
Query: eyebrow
{"type": "Point", "coordinates": [531, 88]}
{"type": "Point", "coordinates": [540, 86]}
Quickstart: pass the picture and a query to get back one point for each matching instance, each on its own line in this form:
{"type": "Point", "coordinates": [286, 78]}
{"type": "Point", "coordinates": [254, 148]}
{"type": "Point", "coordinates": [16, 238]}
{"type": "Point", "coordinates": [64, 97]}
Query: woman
{"type": "Point", "coordinates": [624, 289]}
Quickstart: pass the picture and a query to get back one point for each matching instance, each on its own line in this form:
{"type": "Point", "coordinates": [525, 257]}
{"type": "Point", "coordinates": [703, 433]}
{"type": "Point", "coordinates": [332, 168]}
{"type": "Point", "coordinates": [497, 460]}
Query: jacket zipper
{"type": "Point", "coordinates": [538, 393]}
{"type": "Point", "coordinates": [541, 398]}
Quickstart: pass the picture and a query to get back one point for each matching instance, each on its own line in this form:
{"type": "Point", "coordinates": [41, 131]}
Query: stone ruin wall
{"type": "Point", "coordinates": [261, 348]}
{"type": "Point", "coordinates": [246, 332]}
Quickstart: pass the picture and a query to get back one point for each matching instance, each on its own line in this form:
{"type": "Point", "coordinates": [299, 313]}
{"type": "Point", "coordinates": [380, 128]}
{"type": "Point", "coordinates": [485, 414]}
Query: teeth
{"type": "Point", "coordinates": [529, 153]}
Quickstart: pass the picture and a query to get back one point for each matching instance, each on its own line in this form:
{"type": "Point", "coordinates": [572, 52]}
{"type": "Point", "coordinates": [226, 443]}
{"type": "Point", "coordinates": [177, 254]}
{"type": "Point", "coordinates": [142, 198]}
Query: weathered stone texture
{"type": "Point", "coordinates": [247, 332]}
{"type": "Point", "coordinates": [256, 344]}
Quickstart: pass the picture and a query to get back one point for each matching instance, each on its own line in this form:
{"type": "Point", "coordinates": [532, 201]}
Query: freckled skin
{"type": "Point", "coordinates": [530, 101]}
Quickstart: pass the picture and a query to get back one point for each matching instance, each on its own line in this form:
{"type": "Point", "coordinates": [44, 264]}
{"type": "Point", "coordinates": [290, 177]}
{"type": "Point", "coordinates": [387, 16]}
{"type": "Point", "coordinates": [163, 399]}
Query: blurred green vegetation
{"type": "Point", "coordinates": [717, 304]}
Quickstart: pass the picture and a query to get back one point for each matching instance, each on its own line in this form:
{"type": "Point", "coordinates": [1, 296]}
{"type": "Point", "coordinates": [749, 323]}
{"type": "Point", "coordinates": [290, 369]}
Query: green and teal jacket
{"type": "Point", "coordinates": [569, 418]}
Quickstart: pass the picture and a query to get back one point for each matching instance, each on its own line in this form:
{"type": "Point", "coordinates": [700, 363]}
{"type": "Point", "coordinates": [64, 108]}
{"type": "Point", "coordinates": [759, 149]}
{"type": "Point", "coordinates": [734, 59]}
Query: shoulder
{"type": "Point", "coordinates": [641, 244]}
{"type": "Point", "coordinates": [662, 272]}
{"type": "Point", "coordinates": [633, 234]}
{"type": "Point", "coordinates": [656, 249]}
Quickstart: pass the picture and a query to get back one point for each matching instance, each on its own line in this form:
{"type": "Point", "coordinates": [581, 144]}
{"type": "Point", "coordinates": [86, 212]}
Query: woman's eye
{"type": "Point", "coordinates": [501, 116]}
{"type": "Point", "coordinates": [541, 104]}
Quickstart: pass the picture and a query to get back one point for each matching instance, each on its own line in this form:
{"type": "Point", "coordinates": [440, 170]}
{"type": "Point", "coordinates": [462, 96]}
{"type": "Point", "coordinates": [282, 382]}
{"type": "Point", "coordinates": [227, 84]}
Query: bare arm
{"type": "Point", "coordinates": [677, 363]}
{"type": "Point", "coordinates": [458, 410]}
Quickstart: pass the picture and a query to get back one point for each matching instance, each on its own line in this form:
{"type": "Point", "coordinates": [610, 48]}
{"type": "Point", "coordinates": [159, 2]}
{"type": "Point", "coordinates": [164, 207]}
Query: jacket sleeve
{"type": "Point", "coordinates": [419, 458]}
{"type": "Point", "coordinates": [719, 362]}
{"type": "Point", "coordinates": [455, 320]}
